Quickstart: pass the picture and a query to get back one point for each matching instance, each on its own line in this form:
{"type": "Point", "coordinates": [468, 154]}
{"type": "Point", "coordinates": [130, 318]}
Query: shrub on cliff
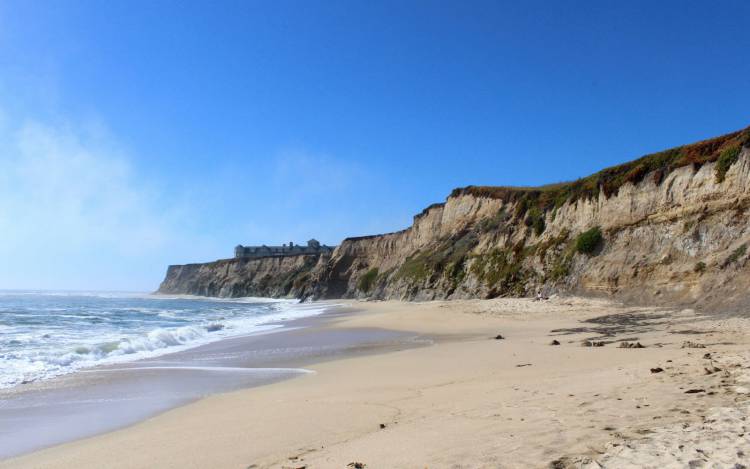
{"type": "Point", "coordinates": [539, 225]}
{"type": "Point", "coordinates": [726, 159]}
{"type": "Point", "coordinates": [367, 281]}
{"type": "Point", "coordinates": [535, 219]}
{"type": "Point", "coordinates": [588, 241]}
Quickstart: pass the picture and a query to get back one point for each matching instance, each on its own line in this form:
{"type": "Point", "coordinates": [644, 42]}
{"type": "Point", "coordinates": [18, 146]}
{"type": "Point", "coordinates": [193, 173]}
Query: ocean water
{"type": "Point", "coordinates": [45, 334]}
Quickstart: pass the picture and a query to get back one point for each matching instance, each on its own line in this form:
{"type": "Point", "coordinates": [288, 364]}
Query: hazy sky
{"type": "Point", "coordinates": [135, 134]}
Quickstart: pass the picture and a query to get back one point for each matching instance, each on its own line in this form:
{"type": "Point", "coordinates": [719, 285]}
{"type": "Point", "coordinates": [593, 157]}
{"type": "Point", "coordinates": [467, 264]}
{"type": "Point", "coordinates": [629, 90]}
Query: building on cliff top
{"type": "Point", "coordinates": [291, 249]}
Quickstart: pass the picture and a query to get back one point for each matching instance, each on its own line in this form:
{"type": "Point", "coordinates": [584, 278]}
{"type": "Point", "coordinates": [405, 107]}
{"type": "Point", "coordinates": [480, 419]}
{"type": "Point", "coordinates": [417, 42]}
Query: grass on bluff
{"type": "Point", "coordinates": [552, 243]}
{"type": "Point", "coordinates": [493, 222]}
{"type": "Point", "coordinates": [449, 257]}
{"type": "Point", "coordinates": [367, 281]}
{"type": "Point", "coordinates": [726, 159]}
{"type": "Point", "coordinates": [735, 256]}
{"type": "Point", "coordinates": [501, 269]}
{"type": "Point", "coordinates": [724, 150]}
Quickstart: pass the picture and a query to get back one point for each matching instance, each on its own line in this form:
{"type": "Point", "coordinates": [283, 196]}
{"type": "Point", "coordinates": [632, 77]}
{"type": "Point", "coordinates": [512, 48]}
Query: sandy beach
{"type": "Point", "coordinates": [470, 399]}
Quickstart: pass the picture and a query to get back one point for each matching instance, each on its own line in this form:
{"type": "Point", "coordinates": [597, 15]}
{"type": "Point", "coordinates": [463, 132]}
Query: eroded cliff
{"type": "Point", "coordinates": [674, 229]}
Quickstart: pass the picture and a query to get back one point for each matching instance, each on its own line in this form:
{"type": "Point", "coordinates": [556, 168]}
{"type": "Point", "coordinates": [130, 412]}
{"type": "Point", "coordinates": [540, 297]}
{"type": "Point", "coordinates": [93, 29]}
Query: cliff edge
{"type": "Point", "coordinates": [668, 227]}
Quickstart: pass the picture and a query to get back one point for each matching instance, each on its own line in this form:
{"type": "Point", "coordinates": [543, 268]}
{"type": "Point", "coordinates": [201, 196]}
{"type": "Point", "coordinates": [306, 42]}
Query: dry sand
{"type": "Point", "coordinates": [470, 401]}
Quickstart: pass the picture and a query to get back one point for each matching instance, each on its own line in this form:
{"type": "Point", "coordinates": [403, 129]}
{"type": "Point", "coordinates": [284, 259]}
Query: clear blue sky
{"type": "Point", "coordinates": [134, 134]}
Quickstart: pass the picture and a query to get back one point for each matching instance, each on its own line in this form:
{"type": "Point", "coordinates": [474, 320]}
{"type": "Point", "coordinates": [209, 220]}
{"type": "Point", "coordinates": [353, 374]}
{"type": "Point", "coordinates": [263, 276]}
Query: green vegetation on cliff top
{"type": "Point", "coordinates": [724, 150]}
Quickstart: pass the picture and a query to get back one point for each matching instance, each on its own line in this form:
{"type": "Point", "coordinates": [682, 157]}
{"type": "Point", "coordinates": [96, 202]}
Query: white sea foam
{"type": "Point", "coordinates": [47, 334]}
{"type": "Point", "coordinates": [215, 369]}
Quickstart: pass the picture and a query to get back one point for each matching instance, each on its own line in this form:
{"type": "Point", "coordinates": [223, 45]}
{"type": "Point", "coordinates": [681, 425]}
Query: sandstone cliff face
{"type": "Point", "coordinates": [674, 229]}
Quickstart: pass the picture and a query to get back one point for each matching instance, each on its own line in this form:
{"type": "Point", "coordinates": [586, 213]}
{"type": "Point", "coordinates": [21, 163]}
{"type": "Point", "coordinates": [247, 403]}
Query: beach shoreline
{"type": "Point", "coordinates": [108, 397]}
{"type": "Point", "coordinates": [469, 400]}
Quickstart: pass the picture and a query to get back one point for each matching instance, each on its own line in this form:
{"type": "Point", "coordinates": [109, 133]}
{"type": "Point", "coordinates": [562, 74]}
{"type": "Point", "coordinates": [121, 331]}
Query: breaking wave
{"type": "Point", "coordinates": [48, 334]}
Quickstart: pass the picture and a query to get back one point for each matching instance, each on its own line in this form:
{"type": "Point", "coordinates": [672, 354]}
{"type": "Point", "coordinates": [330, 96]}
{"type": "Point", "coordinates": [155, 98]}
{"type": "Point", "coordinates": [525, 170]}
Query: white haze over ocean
{"type": "Point", "coordinates": [73, 215]}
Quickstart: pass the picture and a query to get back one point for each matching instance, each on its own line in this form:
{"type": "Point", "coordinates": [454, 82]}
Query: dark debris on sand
{"type": "Point", "coordinates": [712, 370]}
{"type": "Point", "coordinates": [631, 345]}
{"type": "Point", "coordinates": [691, 344]}
{"type": "Point", "coordinates": [561, 463]}
{"type": "Point", "coordinates": [590, 343]}
{"type": "Point", "coordinates": [612, 325]}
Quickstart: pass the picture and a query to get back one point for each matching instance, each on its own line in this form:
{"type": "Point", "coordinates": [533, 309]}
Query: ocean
{"type": "Point", "coordinates": [48, 334]}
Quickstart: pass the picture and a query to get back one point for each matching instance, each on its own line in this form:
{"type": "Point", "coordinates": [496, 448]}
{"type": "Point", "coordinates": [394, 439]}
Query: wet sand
{"type": "Point", "coordinates": [471, 400]}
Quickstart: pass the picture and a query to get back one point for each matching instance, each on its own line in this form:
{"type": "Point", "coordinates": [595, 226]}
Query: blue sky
{"type": "Point", "coordinates": [142, 133]}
